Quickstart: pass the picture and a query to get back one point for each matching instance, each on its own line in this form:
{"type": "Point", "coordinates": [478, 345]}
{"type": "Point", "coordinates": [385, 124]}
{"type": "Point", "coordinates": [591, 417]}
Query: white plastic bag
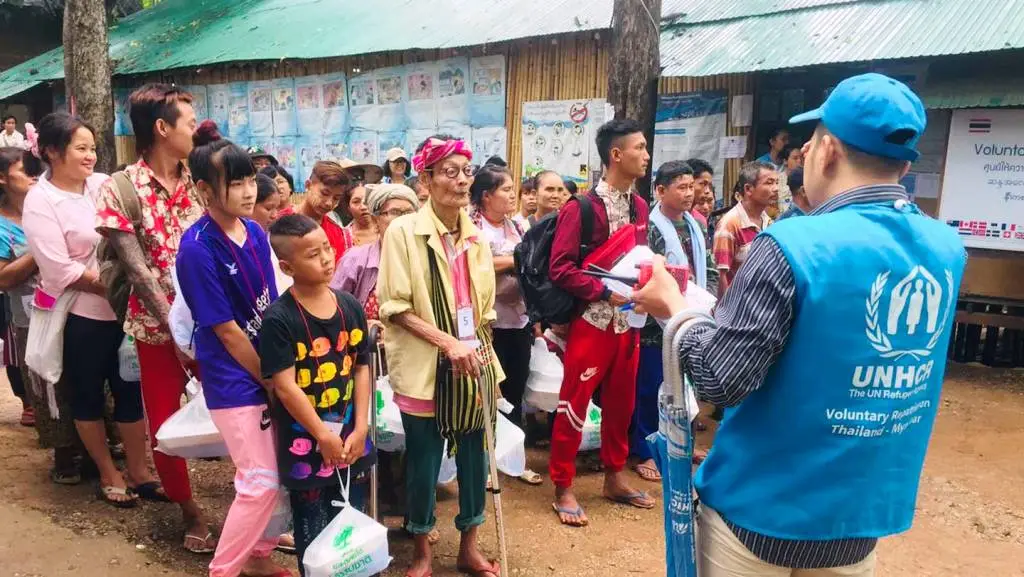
{"type": "Point", "coordinates": [352, 545]}
{"type": "Point", "coordinates": [592, 429]}
{"type": "Point", "coordinates": [190, 433]}
{"type": "Point", "coordinates": [180, 320]}
{"type": "Point", "coordinates": [390, 432]}
{"type": "Point", "coordinates": [44, 349]}
{"type": "Point", "coordinates": [282, 516]}
{"type": "Point", "coordinates": [128, 361]}
{"type": "Point", "coordinates": [545, 381]}
{"type": "Point", "coordinates": [510, 449]}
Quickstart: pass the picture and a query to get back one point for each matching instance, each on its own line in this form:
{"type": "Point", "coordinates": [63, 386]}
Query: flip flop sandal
{"type": "Point", "coordinates": [150, 492]}
{"type": "Point", "coordinates": [28, 417]}
{"type": "Point", "coordinates": [70, 476]}
{"type": "Point", "coordinates": [494, 569]}
{"type": "Point", "coordinates": [633, 500]}
{"type": "Point", "coordinates": [647, 473]}
{"type": "Point", "coordinates": [107, 494]}
{"type": "Point", "coordinates": [286, 549]}
{"type": "Point", "coordinates": [577, 512]}
{"type": "Point", "coordinates": [531, 478]}
{"type": "Point", "coordinates": [203, 547]}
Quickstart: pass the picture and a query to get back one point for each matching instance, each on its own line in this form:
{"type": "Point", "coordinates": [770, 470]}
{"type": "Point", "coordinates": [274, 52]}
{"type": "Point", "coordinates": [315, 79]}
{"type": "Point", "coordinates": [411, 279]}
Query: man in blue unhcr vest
{"type": "Point", "coordinates": [829, 351]}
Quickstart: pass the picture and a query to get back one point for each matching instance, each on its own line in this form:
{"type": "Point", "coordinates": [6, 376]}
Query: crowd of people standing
{"type": "Point", "coordinates": [284, 295]}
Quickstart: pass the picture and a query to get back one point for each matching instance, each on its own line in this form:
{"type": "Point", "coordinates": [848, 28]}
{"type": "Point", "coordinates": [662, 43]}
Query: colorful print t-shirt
{"type": "Point", "coordinates": [325, 354]}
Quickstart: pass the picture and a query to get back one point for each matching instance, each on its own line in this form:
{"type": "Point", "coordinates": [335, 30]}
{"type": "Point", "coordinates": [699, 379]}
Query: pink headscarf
{"type": "Point", "coordinates": [437, 150]}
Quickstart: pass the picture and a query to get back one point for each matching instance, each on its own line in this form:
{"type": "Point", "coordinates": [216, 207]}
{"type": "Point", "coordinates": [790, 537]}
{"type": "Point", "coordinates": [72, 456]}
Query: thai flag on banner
{"type": "Point", "coordinates": [980, 125]}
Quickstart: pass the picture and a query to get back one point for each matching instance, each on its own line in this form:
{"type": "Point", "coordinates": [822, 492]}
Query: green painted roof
{"type": "Point", "coordinates": [974, 93]}
{"type": "Point", "coordinates": [187, 33]}
{"type": "Point", "coordinates": [709, 37]}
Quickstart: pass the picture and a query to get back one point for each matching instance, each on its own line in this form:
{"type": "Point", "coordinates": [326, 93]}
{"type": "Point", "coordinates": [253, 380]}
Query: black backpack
{"type": "Point", "coordinates": [546, 302]}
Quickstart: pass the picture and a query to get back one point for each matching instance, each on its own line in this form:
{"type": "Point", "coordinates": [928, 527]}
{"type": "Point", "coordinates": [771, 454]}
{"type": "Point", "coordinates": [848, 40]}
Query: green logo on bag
{"type": "Point", "coordinates": [341, 541]}
{"type": "Point", "coordinates": [595, 415]}
{"type": "Point", "coordinates": [380, 402]}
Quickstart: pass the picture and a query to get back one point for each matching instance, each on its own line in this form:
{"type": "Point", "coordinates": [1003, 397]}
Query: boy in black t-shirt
{"type": "Point", "coordinates": [314, 350]}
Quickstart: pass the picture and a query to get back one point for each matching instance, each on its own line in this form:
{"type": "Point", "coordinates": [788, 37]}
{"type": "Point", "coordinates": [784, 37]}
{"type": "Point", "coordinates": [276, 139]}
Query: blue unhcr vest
{"type": "Point", "coordinates": [832, 445]}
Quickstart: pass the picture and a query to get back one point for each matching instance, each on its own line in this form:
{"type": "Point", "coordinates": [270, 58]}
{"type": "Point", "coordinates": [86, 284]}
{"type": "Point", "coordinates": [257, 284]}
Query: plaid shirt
{"type": "Point", "coordinates": [733, 236]}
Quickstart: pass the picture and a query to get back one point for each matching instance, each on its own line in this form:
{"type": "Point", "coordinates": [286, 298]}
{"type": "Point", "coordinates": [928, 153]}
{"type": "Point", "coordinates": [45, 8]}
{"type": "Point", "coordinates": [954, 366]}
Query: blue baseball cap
{"type": "Point", "coordinates": [873, 113]}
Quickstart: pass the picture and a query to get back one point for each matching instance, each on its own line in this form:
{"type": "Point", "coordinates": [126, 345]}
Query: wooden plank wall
{"type": "Point", "coordinates": [565, 67]}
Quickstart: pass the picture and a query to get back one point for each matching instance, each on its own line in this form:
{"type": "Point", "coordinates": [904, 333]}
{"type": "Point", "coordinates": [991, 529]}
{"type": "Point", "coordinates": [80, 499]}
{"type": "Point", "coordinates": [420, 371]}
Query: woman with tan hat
{"type": "Point", "coordinates": [396, 168]}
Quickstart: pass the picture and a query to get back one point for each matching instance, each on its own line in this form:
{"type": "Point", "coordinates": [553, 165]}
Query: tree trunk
{"type": "Point", "coordinates": [87, 74]}
{"type": "Point", "coordinates": [635, 65]}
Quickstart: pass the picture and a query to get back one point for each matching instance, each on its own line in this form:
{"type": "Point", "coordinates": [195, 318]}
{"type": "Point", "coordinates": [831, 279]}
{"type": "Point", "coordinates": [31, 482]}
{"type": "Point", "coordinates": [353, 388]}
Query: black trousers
{"type": "Point", "coordinates": [513, 349]}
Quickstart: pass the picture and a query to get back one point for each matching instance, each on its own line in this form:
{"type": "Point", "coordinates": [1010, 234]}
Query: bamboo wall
{"type": "Point", "coordinates": [569, 66]}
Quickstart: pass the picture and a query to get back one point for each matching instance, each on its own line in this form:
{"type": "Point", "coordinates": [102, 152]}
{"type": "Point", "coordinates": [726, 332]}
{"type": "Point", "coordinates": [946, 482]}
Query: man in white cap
{"type": "Point", "coordinates": [829, 352]}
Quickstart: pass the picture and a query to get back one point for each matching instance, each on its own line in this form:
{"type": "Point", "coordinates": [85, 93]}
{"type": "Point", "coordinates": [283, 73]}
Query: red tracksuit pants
{"type": "Point", "coordinates": [595, 357]}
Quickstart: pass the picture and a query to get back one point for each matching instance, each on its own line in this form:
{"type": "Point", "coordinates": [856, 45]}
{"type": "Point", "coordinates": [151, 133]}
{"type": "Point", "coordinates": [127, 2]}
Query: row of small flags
{"type": "Point", "coordinates": [982, 228]}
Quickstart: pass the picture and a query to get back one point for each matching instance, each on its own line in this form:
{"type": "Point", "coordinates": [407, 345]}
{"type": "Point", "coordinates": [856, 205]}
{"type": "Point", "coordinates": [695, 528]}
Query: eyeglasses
{"type": "Point", "coordinates": [452, 172]}
{"type": "Point", "coordinates": [397, 212]}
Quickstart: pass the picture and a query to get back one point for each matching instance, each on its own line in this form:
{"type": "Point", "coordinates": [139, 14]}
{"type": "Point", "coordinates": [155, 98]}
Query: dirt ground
{"type": "Point", "coordinates": [970, 518]}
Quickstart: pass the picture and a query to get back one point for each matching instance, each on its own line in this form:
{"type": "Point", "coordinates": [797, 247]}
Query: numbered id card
{"type": "Point", "coordinates": [334, 427]}
{"type": "Point", "coordinates": [464, 322]}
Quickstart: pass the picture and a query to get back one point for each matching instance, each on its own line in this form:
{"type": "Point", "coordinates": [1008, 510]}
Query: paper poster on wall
{"type": "Point", "coordinates": [416, 136]}
{"type": "Point", "coordinates": [742, 110]}
{"type": "Point", "coordinates": [122, 123]}
{"type": "Point", "coordinates": [200, 100]}
{"type": "Point", "coordinates": [238, 111]}
{"type": "Point", "coordinates": [286, 152]}
{"type": "Point", "coordinates": [285, 120]}
{"type": "Point", "coordinates": [489, 141]}
{"type": "Point", "coordinates": [691, 125]}
{"type": "Point", "coordinates": [309, 149]}
{"type": "Point", "coordinates": [983, 183]}
{"type": "Point", "coordinates": [487, 91]}
{"type": "Point", "coordinates": [421, 105]}
{"type": "Point", "coordinates": [218, 99]}
{"type": "Point", "coordinates": [363, 102]}
{"type": "Point", "coordinates": [261, 115]}
{"type": "Point", "coordinates": [452, 102]}
{"type": "Point", "coordinates": [333, 99]}
{"type": "Point", "coordinates": [557, 136]}
{"type": "Point", "coordinates": [308, 111]}
{"type": "Point", "coordinates": [388, 140]}
{"type": "Point", "coordinates": [362, 146]}
{"type": "Point", "coordinates": [388, 83]}
{"type": "Point", "coordinates": [335, 147]}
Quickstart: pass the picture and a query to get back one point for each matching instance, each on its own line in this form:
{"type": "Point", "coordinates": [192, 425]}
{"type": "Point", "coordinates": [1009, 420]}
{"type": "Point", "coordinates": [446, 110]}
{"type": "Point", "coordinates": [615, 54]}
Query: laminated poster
{"type": "Point", "coordinates": [122, 123]}
{"type": "Point", "coordinates": [200, 102]}
{"type": "Point", "coordinates": [452, 101]}
{"type": "Point", "coordinates": [335, 147]}
{"type": "Point", "coordinates": [285, 119]}
{"type": "Point", "coordinates": [557, 135]}
{"type": "Point", "coordinates": [261, 116]}
{"type": "Point", "coordinates": [416, 136]}
{"type": "Point", "coordinates": [309, 112]}
{"type": "Point", "coordinates": [487, 96]}
{"type": "Point", "coordinates": [691, 125]}
{"type": "Point", "coordinates": [388, 140]}
{"type": "Point", "coordinates": [489, 141]}
{"type": "Point", "coordinates": [218, 99]}
{"type": "Point", "coordinates": [286, 152]}
{"type": "Point", "coordinates": [335, 110]}
{"type": "Point", "coordinates": [238, 111]}
{"type": "Point", "coordinates": [421, 105]}
{"type": "Point", "coordinates": [309, 149]}
{"type": "Point", "coordinates": [363, 102]}
{"type": "Point", "coordinates": [388, 83]}
{"type": "Point", "coordinates": [362, 146]}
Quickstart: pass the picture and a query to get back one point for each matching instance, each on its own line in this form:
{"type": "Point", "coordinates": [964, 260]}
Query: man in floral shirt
{"type": "Point", "coordinates": [164, 121]}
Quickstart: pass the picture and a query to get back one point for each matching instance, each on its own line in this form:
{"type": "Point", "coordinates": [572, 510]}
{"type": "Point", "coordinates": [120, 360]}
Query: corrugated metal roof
{"type": "Point", "coordinates": [186, 33]}
{"type": "Point", "coordinates": [834, 32]}
{"type": "Point", "coordinates": [973, 93]}
{"type": "Point", "coordinates": [700, 11]}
